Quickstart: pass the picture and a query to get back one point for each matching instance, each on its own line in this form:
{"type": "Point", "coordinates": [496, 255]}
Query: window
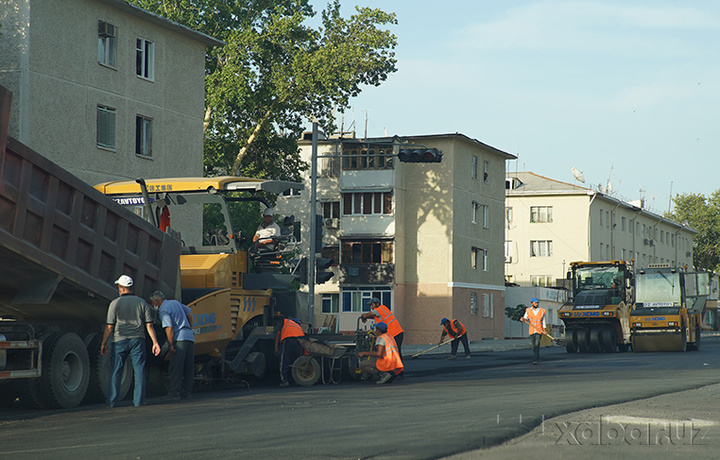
{"type": "Point", "coordinates": [144, 59]}
{"type": "Point", "coordinates": [330, 303]}
{"type": "Point", "coordinates": [486, 305]}
{"type": "Point", "coordinates": [672, 242]}
{"type": "Point", "coordinates": [622, 224]}
{"type": "Point", "coordinates": [354, 299]}
{"type": "Point", "coordinates": [473, 303]}
{"type": "Point", "coordinates": [366, 203]}
{"type": "Point", "coordinates": [143, 136]}
{"type": "Point", "coordinates": [107, 45]}
{"type": "Point", "coordinates": [509, 215]}
{"type": "Point", "coordinates": [482, 211]}
{"type": "Point", "coordinates": [541, 280]}
{"type": "Point", "coordinates": [105, 127]}
{"type": "Point", "coordinates": [541, 214]}
{"type": "Point", "coordinates": [367, 252]}
{"type": "Point", "coordinates": [479, 258]}
{"type": "Point", "coordinates": [474, 168]}
{"type": "Point", "coordinates": [486, 171]}
{"type": "Point", "coordinates": [331, 209]}
{"type": "Point", "coordinates": [508, 252]}
{"type": "Point", "coordinates": [331, 252]}
{"type": "Point", "coordinates": [601, 217]}
{"type": "Point", "coordinates": [540, 248]}
{"type": "Point", "coordinates": [367, 156]}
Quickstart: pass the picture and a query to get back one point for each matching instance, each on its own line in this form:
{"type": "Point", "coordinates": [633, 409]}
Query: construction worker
{"type": "Point", "coordinates": [287, 344]}
{"type": "Point", "coordinates": [535, 318]}
{"type": "Point", "coordinates": [381, 313]}
{"type": "Point", "coordinates": [386, 359]}
{"type": "Point", "coordinates": [457, 331]}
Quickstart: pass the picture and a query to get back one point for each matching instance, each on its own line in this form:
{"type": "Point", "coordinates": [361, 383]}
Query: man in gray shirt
{"type": "Point", "coordinates": [128, 318]}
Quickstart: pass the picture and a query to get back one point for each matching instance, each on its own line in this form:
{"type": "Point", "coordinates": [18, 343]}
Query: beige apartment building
{"type": "Point", "coordinates": [550, 224]}
{"type": "Point", "coordinates": [105, 89]}
{"type": "Point", "coordinates": [425, 238]}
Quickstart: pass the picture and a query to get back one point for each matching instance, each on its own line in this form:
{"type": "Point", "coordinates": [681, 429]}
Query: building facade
{"type": "Point", "coordinates": [550, 224]}
{"type": "Point", "coordinates": [425, 238]}
{"type": "Point", "coordinates": [105, 89]}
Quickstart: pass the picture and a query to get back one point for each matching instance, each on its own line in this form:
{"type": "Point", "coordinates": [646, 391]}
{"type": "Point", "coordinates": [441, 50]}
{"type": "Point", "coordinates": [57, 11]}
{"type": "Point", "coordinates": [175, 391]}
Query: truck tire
{"type": "Point", "coordinates": [306, 371]}
{"type": "Point", "coordinates": [595, 344]}
{"type": "Point", "coordinates": [100, 372]}
{"type": "Point", "coordinates": [583, 340]}
{"type": "Point", "coordinates": [609, 339]}
{"type": "Point", "coordinates": [571, 346]}
{"type": "Point", "coordinates": [66, 370]}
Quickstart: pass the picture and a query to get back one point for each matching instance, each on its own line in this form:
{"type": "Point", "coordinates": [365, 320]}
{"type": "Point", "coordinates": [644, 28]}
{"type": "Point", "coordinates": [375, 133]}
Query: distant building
{"type": "Point", "coordinates": [550, 223]}
{"type": "Point", "coordinates": [103, 88]}
{"type": "Point", "coordinates": [425, 238]}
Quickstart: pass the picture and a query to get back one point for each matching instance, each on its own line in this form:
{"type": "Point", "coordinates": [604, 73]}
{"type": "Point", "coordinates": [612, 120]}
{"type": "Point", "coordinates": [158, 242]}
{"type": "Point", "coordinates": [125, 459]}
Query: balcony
{"type": "Point", "coordinates": [367, 274]}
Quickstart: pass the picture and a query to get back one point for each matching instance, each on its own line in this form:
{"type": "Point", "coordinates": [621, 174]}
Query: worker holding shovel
{"type": "Point", "coordinates": [456, 330]}
{"type": "Point", "coordinates": [535, 318]}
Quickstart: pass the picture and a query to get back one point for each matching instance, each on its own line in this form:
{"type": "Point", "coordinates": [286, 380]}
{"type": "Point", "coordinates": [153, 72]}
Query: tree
{"type": "Point", "coordinates": [275, 72]}
{"type": "Point", "coordinates": [702, 214]}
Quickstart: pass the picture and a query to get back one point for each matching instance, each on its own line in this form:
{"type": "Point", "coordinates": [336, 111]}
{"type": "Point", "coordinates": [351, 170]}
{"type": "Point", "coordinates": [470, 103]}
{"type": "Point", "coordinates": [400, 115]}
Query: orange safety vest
{"type": "Point", "coordinates": [454, 332]}
{"type": "Point", "coordinates": [388, 318]}
{"type": "Point", "coordinates": [535, 318]}
{"type": "Point", "coordinates": [290, 329]}
{"type": "Point", "coordinates": [390, 360]}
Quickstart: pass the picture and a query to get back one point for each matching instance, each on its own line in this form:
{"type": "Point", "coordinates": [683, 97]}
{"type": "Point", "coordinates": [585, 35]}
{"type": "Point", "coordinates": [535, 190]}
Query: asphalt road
{"type": "Point", "coordinates": [442, 408]}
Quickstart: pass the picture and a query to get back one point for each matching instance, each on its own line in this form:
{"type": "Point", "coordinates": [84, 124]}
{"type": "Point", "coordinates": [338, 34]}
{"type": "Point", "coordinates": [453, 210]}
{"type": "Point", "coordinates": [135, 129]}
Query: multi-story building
{"type": "Point", "coordinates": [425, 238]}
{"type": "Point", "coordinates": [103, 88]}
{"type": "Point", "coordinates": [551, 223]}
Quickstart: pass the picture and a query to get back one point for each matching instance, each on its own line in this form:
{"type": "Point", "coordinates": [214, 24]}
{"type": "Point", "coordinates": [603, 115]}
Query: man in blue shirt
{"type": "Point", "coordinates": [177, 321]}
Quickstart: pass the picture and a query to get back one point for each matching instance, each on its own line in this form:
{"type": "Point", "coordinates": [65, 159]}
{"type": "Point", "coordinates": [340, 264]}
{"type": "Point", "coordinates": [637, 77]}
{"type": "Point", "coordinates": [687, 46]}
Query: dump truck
{"type": "Point", "coordinates": [64, 242]}
{"type": "Point", "coordinates": [596, 316]}
{"type": "Point", "coordinates": [668, 308]}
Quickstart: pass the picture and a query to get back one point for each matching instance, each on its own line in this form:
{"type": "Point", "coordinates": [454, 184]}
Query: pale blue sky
{"type": "Point", "coordinates": [630, 85]}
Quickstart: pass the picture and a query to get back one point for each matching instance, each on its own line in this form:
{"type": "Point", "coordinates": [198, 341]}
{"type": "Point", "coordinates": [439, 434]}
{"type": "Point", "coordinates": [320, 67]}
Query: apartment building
{"type": "Point", "coordinates": [424, 238]}
{"type": "Point", "coordinates": [550, 223]}
{"type": "Point", "coordinates": [103, 88]}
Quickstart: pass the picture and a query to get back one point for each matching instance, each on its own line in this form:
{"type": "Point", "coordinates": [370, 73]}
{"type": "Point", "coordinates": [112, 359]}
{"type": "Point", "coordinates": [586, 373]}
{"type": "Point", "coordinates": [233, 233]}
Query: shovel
{"type": "Point", "coordinates": [562, 342]}
{"type": "Point", "coordinates": [432, 348]}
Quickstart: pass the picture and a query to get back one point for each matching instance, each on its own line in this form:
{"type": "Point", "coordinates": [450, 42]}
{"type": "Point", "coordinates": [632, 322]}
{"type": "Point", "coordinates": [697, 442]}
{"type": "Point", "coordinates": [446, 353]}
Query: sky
{"type": "Point", "coordinates": [625, 91]}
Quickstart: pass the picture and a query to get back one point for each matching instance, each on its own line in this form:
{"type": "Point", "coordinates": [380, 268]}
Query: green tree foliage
{"type": "Point", "coordinates": [276, 71]}
{"type": "Point", "coordinates": [516, 312]}
{"type": "Point", "coordinates": [703, 214]}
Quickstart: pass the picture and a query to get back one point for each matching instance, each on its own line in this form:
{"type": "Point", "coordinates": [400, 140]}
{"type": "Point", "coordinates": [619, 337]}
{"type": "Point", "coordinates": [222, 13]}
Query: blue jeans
{"type": "Point", "coordinates": [119, 352]}
{"type": "Point", "coordinates": [182, 369]}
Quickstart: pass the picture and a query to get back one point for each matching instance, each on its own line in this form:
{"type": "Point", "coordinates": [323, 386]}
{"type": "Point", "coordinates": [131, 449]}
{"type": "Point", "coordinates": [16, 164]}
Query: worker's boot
{"type": "Point", "coordinates": [384, 378]}
{"type": "Point", "coordinates": [452, 357]}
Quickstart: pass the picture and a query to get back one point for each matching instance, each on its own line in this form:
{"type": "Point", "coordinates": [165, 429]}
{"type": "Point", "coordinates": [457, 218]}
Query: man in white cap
{"type": "Point", "coordinates": [266, 231]}
{"type": "Point", "coordinates": [128, 318]}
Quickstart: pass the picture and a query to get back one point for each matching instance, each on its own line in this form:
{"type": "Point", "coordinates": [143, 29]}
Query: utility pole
{"type": "Point", "coordinates": [313, 224]}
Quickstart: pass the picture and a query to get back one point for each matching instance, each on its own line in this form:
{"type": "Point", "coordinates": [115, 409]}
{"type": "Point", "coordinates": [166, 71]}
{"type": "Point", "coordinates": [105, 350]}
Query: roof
{"type": "Point", "coordinates": [164, 22]}
{"type": "Point", "coordinates": [198, 184]}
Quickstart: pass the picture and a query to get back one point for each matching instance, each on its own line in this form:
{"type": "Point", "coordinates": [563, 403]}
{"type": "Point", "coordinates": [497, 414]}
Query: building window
{"type": "Point", "coordinates": [540, 248]}
{"type": "Point", "coordinates": [486, 171]}
{"type": "Point", "coordinates": [143, 136]}
{"type": "Point", "coordinates": [541, 214]}
{"type": "Point", "coordinates": [473, 303]}
{"type": "Point", "coordinates": [330, 303]}
{"type": "Point", "coordinates": [480, 211]}
{"type": "Point", "coordinates": [509, 215]}
{"type": "Point", "coordinates": [366, 156]}
{"type": "Point", "coordinates": [486, 305]}
{"type": "Point", "coordinates": [366, 203]}
{"type": "Point", "coordinates": [355, 300]}
{"type": "Point", "coordinates": [479, 258]}
{"type": "Point", "coordinates": [105, 127]}
{"type": "Point", "coordinates": [331, 209]}
{"type": "Point", "coordinates": [508, 252]}
{"type": "Point", "coordinates": [333, 253]}
{"type": "Point", "coordinates": [107, 44]}
{"type": "Point", "coordinates": [622, 224]}
{"type": "Point", "coordinates": [367, 252]}
{"type": "Point", "coordinates": [144, 59]}
{"type": "Point", "coordinates": [541, 280]}
{"type": "Point", "coordinates": [601, 217]}
{"type": "Point", "coordinates": [474, 168]}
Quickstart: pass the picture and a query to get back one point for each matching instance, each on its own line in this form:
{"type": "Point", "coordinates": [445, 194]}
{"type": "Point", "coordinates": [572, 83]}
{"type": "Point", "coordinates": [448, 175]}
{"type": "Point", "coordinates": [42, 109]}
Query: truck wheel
{"type": "Point", "coordinates": [583, 340]}
{"type": "Point", "coordinates": [571, 346]}
{"type": "Point", "coordinates": [306, 371]}
{"type": "Point", "coordinates": [609, 339]}
{"type": "Point", "coordinates": [595, 338]}
{"type": "Point", "coordinates": [66, 370]}
{"type": "Point", "coordinates": [100, 372]}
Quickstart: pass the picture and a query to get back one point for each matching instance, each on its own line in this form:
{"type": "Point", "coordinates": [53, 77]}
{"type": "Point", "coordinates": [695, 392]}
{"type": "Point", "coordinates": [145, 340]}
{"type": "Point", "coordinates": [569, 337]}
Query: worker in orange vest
{"type": "Point", "coordinates": [385, 360]}
{"type": "Point", "coordinates": [287, 344]}
{"type": "Point", "coordinates": [381, 313]}
{"type": "Point", "coordinates": [457, 331]}
{"type": "Point", "coordinates": [535, 318]}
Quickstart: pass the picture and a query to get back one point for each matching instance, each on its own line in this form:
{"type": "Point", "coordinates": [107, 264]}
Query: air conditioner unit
{"type": "Point", "coordinates": [332, 223]}
{"type": "Point", "coordinates": [508, 259]}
